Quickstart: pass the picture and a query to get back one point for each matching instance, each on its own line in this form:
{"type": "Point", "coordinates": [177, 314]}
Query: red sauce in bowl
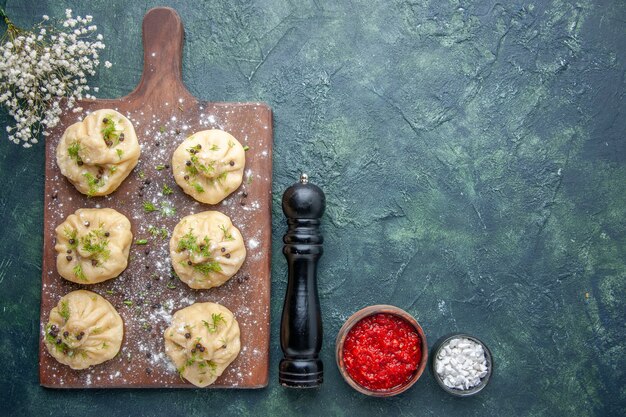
{"type": "Point", "coordinates": [382, 351]}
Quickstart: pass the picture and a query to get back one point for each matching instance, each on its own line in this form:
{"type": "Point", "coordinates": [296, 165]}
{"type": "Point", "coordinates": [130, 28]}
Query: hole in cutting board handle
{"type": "Point", "coordinates": [163, 35]}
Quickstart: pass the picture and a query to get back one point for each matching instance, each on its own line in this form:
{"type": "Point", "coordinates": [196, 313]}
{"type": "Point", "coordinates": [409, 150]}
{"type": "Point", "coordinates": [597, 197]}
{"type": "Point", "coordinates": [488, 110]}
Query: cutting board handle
{"type": "Point", "coordinates": [161, 79]}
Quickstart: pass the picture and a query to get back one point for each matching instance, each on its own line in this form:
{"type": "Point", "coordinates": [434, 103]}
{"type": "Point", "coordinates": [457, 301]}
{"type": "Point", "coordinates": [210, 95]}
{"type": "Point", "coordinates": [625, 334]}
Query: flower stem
{"type": "Point", "coordinates": [4, 16]}
{"type": "Point", "coordinates": [11, 28]}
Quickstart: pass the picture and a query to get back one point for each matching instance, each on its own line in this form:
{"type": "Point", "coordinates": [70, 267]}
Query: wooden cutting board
{"type": "Point", "coordinates": [164, 113]}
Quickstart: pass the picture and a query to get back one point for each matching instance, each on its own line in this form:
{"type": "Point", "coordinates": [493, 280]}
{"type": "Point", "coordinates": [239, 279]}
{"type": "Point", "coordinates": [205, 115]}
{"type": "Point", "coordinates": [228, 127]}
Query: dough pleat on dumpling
{"type": "Point", "coordinates": [92, 245]}
{"type": "Point", "coordinates": [202, 340]}
{"type": "Point", "coordinates": [97, 153]}
{"type": "Point", "coordinates": [206, 249]}
{"type": "Point", "coordinates": [209, 165]}
{"type": "Point", "coordinates": [84, 329]}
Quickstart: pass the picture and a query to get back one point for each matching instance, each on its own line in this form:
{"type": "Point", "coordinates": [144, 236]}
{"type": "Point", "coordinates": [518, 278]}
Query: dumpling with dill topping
{"type": "Point", "coordinates": [92, 245]}
{"type": "Point", "coordinates": [209, 165]}
{"type": "Point", "coordinates": [84, 329]}
{"type": "Point", "coordinates": [202, 341]}
{"type": "Point", "coordinates": [206, 249]}
{"type": "Point", "coordinates": [99, 152]}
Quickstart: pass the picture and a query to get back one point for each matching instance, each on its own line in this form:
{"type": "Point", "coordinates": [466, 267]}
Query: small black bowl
{"type": "Point", "coordinates": [453, 391]}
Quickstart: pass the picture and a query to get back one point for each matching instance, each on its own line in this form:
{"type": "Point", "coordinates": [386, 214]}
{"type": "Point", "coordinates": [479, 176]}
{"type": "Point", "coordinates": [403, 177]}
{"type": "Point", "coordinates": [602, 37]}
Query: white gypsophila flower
{"type": "Point", "coordinates": [44, 70]}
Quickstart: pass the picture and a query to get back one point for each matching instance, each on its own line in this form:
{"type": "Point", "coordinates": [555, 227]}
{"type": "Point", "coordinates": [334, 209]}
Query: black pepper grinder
{"type": "Point", "coordinates": [301, 323]}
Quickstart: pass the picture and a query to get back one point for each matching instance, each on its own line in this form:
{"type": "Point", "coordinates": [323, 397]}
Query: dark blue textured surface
{"type": "Point", "coordinates": [473, 158]}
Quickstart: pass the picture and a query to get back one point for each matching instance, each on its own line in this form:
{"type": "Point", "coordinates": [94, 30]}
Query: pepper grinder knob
{"type": "Point", "coordinates": [301, 323]}
{"type": "Point", "coordinates": [303, 200]}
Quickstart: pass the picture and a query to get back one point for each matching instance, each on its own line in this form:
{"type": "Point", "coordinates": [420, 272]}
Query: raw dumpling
{"type": "Point", "coordinates": [97, 154]}
{"type": "Point", "coordinates": [202, 341]}
{"type": "Point", "coordinates": [92, 245]}
{"type": "Point", "coordinates": [83, 330]}
{"type": "Point", "coordinates": [209, 165]}
{"type": "Point", "coordinates": [206, 249]}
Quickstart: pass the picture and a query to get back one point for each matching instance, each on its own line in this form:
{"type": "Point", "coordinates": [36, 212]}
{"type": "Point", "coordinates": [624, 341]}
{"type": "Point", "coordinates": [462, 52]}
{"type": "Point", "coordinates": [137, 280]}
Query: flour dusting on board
{"type": "Point", "coordinates": [148, 293]}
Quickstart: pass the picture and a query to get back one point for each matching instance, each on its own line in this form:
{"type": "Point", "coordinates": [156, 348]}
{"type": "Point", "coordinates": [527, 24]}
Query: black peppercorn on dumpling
{"type": "Point", "coordinates": [209, 165]}
{"type": "Point", "coordinates": [92, 245]}
{"type": "Point", "coordinates": [206, 249]}
{"type": "Point", "coordinates": [99, 152]}
{"type": "Point", "coordinates": [202, 341]}
{"type": "Point", "coordinates": [84, 329]}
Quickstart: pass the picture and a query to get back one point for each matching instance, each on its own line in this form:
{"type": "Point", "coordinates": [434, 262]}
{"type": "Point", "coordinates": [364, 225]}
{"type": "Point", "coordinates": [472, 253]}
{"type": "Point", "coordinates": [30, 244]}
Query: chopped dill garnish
{"type": "Point", "coordinates": [204, 249]}
{"type": "Point", "coordinates": [141, 174]}
{"type": "Point", "coordinates": [109, 131]}
{"type": "Point", "coordinates": [249, 180]}
{"type": "Point", "coordinates": [70, 234]}
{"type": "Point", "coordinates": [217, 319]}
{"type": "Point", "coordinates": [160, 167]}
{"type": "Point", "coordinates": [208, 326]}
{"type": "Point", "coordinates": [167, 190]}
{"type": "Point", "coordinates": [197, 187]}
{"type": "Point", "coordinates": [187, 242]}
{"type": "Point", "coordinates": [96, 243]}
{"type": "Point", "coordinates": [129, 303]}
{"type": "Point", "coordinates": [227, 234]}
{"type": "Point", "coordinates": [246, 148]}
{"type": "Point", "coordinates": [167, 209]}
{"type": "Point", "coordinates": [149, 206]}
{"type": "Point", "coordinates": [208, 267]}
{"type": "Point", "coordinates": [207, 169]}
{"type": "Point", "coordinates": [119, 153]}
{"type": "Point", "coordinates": [64, 310]}
{"type": "Point", "coordinates": [93, 183]}
{"type": "Point", "coordinates": [231, 143]}
{"type": "Point", "coordinates": [73, 152]}
{"type": "Point", "coordinates": [222, 176]}
{"type": "Point", "coordinates": [112, 169]}
{"type": "Point", "coordinates": [212, 366]}
{"type": "Point", "coordinates": [161, 129]}
{"type": "Point", "coordinates": [191, 170]}
{"type": "Point", "coordinates": [162, 232]}
{"type": "Point", "coordinates": [51, 338]}
{"type": "Point", "coordinates": [202, 363]}
{"type": "Point", "coordinates": [141, 242]}
{"type": "Point", "coordinates": [78, 272]}
{"type": "Point", "coordinates": [110, 292]}
{"type": "Point", "coordinates": [171, 285]}
{"type": "Point", "coordinates": [194, 166]}
{"type": "Point", "coordinates": [214, 147]}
